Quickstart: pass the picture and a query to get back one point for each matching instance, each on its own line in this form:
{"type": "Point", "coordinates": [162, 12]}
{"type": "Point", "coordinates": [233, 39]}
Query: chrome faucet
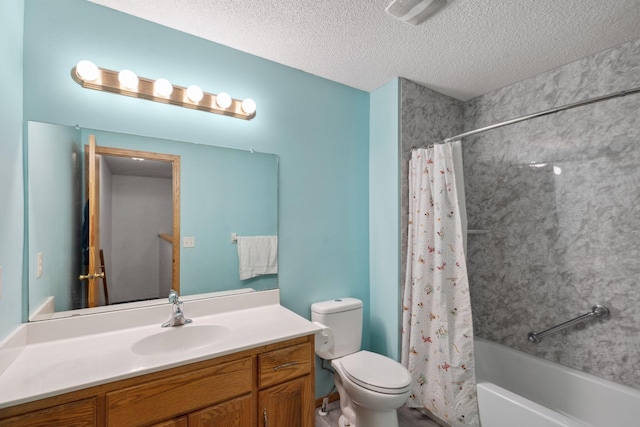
{"type": "Point", "coordinates": [177, 317]}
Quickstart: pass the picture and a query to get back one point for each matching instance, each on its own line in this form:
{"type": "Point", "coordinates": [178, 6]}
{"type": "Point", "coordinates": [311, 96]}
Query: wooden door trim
{"type": "Point", "coordinates": [175, 161]}
{"type": "Point", "coordinates": [93, 299]}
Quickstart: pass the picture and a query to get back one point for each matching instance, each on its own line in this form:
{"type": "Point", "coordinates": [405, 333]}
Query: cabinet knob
{"type": "Point", "coordinates": [266, 419]}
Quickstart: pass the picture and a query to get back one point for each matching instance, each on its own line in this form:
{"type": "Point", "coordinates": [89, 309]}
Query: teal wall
{"type": "Point", "coordinates": [53, 227]}
{"type": "Point", "coordinates": [11, 188]}
{"type": "Point", "coordinates": [384, 219]}
{"type": "Point", "coordinates": [318, 128]}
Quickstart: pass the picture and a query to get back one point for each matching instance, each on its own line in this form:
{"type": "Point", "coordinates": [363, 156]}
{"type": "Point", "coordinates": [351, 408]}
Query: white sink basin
{"type": "Point", "coordinates": [180, 338]}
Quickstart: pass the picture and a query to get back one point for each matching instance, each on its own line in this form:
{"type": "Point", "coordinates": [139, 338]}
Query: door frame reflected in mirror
{"type": "Point", "coordinates": [174, 238]}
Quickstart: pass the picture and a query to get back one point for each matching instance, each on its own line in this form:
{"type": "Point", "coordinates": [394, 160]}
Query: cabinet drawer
{"type": "Point", "coordinates": [167, 397]}
{"type": "Point", "coordinates": [284, 364]}
{"type": "Point", "coordinates": [75, 414]}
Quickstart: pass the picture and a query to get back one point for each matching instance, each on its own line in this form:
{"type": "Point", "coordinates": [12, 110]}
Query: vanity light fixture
{"type": "Point", "coordinates": [163, 87]}
{"type": "Point", "coordinates": [128, 79]}
{"type": "Point", "coordinates": [87, 70]}
{"type": "Point", "coordinates": [249, 106]}
{"type": "Point", "coordinates": [194, 93]}
{"type": "Point", "coordinates": [126, 82]}
{"type": "Point", "coordinates": [223, 100]}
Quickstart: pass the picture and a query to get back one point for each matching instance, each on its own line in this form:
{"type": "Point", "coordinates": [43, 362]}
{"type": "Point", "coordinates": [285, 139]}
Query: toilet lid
{"type": "Point", "coordinates": [376, 372]}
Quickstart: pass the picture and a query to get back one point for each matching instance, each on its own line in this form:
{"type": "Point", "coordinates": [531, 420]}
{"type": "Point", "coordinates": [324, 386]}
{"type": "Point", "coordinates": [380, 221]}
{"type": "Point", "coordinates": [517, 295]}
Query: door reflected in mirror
{"type": "Point", "coordinates": [149, 192]}
{"type": "Point", "coordinates": [131, 225]}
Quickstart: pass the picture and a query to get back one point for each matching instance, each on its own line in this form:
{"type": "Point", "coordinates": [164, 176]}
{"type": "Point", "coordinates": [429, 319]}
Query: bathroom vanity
{"type": "Point", "coordinates": [255, 368]}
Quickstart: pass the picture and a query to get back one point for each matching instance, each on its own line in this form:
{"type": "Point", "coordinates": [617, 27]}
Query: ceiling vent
{"type": "Point", "coordinates": [414, 12]}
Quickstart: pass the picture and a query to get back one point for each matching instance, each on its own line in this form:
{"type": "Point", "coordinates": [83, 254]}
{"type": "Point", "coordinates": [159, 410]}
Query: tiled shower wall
{"type": "Point", "coordinates": [426, 117]}
{"type": "Point", "coordinates": [560, 198]}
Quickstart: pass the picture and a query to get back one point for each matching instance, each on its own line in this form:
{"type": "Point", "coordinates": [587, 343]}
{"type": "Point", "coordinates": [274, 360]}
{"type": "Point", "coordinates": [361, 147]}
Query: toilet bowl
{"type": "Point", "coordinates": [375, 385]}
{"type": "Point", "coordinates": [371, 386]}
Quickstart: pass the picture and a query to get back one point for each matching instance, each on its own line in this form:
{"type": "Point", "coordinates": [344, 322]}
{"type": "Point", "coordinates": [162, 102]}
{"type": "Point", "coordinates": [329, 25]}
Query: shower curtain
{"type": "Point", "coordinates": [437, 329]}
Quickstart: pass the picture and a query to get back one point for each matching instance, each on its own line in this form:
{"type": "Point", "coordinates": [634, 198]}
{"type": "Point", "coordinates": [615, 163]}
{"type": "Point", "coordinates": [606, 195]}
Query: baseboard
{"type": "Point", "coordinates": [332, 398]}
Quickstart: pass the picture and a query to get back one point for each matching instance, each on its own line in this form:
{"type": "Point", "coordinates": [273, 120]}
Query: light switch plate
{"type": "Point", "coordinates": [189, 242]}
{"type": "Point", "coordinates": [40, 264]}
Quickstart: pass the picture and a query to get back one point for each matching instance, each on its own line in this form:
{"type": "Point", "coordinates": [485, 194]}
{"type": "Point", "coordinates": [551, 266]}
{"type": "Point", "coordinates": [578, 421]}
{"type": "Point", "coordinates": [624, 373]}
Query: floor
{"type": "Point", "coordinates": [407, 417]}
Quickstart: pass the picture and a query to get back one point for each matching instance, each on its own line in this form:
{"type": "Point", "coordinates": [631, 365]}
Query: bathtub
{"type": "Point", "coordinates": [516, 389]}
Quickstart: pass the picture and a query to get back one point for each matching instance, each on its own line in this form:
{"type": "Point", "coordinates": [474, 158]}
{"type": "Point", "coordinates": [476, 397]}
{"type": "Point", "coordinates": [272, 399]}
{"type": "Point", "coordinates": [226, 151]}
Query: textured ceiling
{"type": "Point", "coordinates": [131, 167]}
{"type": "Point", "coordinates": [469, 48]}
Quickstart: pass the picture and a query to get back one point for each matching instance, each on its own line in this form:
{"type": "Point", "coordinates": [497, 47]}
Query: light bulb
{"type": "Point", "coordinates": [194, 93]}
{"type": "Point", "coordinates": [223, 100]}
{"type": "Point", "coordinates": [249, 106]}
{"type": "Point", "coordinates": [163, 87]}
{"type": "Point", "coordinates": [128, 79]}
{"type": "Point", "coordinates": [87, 70]}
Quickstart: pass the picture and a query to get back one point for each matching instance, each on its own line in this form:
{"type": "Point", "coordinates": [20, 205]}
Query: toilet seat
{"type": "Point", "coordinates": [376, 372]}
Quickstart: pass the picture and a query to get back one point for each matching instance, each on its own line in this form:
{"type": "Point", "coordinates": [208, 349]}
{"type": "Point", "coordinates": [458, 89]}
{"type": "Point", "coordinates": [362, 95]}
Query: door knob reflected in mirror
{"type": "Point", "coordinates": [91, 276]}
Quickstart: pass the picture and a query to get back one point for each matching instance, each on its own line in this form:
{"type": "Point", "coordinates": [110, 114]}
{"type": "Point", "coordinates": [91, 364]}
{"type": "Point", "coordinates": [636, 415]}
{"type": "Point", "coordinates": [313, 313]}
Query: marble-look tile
{"type": "Point", "coordinates": [426, 116]}
{"type": "Point", "coordinates": [564, 231]}
{"type": "Point", "coordinates": [561, 198]}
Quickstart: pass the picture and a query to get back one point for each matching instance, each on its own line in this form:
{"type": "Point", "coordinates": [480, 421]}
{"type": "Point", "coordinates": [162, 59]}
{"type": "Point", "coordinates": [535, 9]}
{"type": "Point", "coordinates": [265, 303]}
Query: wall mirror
{"type": "Point", "coordinates": [166, 212]}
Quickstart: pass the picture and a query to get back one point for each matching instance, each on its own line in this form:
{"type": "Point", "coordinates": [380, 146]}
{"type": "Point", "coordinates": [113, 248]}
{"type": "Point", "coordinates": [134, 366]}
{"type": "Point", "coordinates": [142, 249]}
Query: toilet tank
{"type": "Point", "coordinates": [344, 317]}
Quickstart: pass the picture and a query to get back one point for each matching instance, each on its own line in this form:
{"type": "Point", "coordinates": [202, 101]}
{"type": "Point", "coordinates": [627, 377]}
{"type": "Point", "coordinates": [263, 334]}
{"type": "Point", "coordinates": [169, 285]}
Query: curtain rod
{"type": "Point", "coordinates": [543, 113]}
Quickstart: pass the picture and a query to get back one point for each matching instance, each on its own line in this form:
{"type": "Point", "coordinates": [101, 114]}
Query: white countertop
{"type": "Point", "coordinates": [65, 355]}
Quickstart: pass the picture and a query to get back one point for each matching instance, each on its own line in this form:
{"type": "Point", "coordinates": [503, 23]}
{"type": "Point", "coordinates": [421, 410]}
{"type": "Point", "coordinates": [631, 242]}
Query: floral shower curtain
{"type": "Point", "coordinates": [437, 329]}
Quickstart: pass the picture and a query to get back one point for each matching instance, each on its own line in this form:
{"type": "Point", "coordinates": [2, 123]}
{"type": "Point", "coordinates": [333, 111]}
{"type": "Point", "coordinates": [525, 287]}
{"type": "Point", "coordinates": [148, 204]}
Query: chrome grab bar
{"type": "Point", "coordinates": [596, 311]}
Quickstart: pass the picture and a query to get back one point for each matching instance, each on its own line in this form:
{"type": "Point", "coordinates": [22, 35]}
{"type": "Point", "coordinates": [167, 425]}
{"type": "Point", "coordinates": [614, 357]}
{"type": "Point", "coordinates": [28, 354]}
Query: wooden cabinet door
{"type": "Point", "coordinates": [177, 422]}
{"type": "Point", "coordinates": [75, 414]}
{"type": "Point", "coordinates": [234, 413]}
{"type": "Point", "coordinates": [287, 405]}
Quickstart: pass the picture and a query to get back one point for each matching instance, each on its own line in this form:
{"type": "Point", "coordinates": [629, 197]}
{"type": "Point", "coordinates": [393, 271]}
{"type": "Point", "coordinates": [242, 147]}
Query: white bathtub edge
{"type": "Point", "coordinates": [577, 395]}
{"type": "Point", "coordinates": [501, 408]}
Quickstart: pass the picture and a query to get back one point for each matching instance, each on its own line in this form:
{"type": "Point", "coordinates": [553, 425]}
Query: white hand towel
{"type": "Point", "coordinates": [257, 255]}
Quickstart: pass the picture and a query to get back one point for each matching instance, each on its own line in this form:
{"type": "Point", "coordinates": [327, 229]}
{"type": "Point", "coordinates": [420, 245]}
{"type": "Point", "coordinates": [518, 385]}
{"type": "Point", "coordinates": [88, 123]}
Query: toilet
{"type": "Point", "coordinates": [371, 386]}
